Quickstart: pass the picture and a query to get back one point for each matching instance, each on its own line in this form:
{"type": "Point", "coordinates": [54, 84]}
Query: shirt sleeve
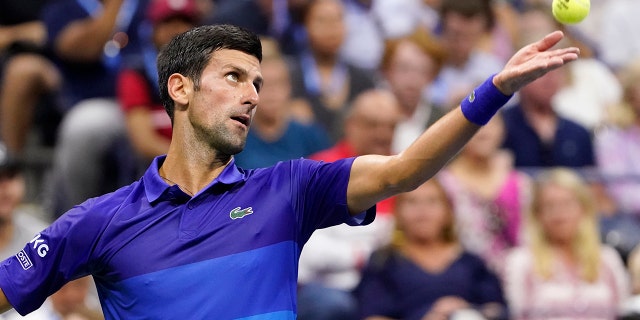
{"type": "Point", "coordinates": [322, 195]}
{"type": "Point", "coordinates": [55, 256]}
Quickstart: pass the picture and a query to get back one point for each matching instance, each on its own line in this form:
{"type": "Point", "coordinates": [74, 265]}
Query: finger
{"type": "Point", "coordinates": [549, 40]}
{"type": "Point", "coordinates": [562, 56]}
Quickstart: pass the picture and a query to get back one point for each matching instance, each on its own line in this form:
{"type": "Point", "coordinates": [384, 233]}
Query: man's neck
{"type": "Point", "coordinates": [192, 171]}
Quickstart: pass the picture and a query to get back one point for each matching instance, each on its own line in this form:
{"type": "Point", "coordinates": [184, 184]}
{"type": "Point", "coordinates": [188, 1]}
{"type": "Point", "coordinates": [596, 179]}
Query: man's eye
{"type": "Point", "coordinates": [233, 77]}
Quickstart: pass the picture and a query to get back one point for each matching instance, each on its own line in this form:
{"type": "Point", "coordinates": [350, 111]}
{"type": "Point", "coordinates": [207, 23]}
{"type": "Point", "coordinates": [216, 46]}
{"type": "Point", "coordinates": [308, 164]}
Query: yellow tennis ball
{"type": "Point", "coordinates": [570, 11]}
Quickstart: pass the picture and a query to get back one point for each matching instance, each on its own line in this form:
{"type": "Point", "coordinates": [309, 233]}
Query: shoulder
{"type": "Point", "coordinates": [301, 166]}
{"type": "Point", "coordinates": [98, 211]}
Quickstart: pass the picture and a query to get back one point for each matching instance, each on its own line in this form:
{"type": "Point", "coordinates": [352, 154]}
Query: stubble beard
{"type": "Point", "coordinates": [220, 139]}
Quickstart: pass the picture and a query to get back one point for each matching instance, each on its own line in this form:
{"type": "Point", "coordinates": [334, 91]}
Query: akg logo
{"type": "Point", "coordinates": [40, 246]}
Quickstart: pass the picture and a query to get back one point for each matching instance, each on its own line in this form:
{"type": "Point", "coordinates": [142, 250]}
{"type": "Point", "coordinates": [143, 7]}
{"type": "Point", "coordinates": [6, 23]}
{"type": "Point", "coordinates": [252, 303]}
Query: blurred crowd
{"type": "Point", "coordinates": [538, 217]}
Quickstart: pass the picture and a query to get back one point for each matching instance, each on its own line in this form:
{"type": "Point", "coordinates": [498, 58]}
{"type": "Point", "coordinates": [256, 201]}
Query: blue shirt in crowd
{"type": "Point", "coordinates": [571, 147]}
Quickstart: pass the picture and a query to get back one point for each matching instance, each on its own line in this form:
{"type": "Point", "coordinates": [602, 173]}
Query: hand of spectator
{"type": "Point", "coordinates": [444, 307]}
{"type": "Point", "coordinates": [533, 61]}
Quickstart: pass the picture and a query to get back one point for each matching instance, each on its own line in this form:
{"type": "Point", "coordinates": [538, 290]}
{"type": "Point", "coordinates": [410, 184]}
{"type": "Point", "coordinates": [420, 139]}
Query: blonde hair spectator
{"type": "Point", "coordinates": [585, 244]}
{"type": "Point", "coordinates": [564, 272]}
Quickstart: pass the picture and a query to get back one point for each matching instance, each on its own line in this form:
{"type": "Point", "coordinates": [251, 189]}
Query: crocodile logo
{"type": "Point", "coordinates": [237, 213]}
{"type": "Point", "coordinates": [472, 96]}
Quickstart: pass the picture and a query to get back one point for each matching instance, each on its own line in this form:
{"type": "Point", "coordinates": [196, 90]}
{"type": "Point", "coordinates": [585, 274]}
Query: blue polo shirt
{"type": "Point", "coordinates": [154, 252]}
{"type": "Point", "coordinates": [572, 144]}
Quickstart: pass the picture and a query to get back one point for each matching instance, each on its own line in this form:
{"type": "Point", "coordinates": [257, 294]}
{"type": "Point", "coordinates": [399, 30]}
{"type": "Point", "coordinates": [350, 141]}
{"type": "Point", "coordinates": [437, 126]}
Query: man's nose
{"type": "Point", "coordinates": [251, 96]}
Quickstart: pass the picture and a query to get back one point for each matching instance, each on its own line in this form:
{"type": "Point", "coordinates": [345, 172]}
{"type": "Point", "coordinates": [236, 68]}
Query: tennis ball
{"type": "Point", "coordinates": [570, 11]}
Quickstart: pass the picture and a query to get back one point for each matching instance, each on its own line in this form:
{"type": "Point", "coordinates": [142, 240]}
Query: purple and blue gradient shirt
{"type": "Point", "coordinates": [229, 252]}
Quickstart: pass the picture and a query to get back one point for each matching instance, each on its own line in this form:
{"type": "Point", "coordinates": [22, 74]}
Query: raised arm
{"type": "Point", "coordinates": [375, 177]}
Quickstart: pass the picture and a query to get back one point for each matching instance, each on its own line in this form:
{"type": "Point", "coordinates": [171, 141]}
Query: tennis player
{"type": "Point", "coordinates": [199, 238]}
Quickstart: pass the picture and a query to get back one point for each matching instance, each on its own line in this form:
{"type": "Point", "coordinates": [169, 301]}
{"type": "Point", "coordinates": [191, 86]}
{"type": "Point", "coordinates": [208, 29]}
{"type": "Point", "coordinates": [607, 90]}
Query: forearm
{"type": "Point", "coordinates": [33, 32]}
{"type": "Point", "coordinates": [431, 151]}
{"type": "Point", "coordinates": [84, 40]}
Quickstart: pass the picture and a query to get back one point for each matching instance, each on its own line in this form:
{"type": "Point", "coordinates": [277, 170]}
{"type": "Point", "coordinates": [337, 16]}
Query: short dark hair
{"type": "Point", "coordinates": [469, 9]}
{"type": "Point", "coordinates": [189, 53]}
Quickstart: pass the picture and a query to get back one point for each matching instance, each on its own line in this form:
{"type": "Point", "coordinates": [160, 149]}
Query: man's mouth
{"type": "Point", "coordinates": [243, 119]}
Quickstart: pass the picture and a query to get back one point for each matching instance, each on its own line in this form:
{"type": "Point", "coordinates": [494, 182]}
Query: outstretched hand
{"type": "Point", "coordinates": [532, 62]}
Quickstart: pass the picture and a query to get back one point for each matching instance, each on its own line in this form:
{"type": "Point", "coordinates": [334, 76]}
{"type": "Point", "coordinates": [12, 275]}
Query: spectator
{"type": "Point", "coordinates": [591, 88]}
{"type": "Point", "coordinates": [489, 193]}
{"type": "Point", "coordinates": [148, 125]}
{"type": "Point", "coordinates": [538, 136]}
{"type": "Point", "coordinates": [330, 266]}
{"type": "Point", "coordinates": [564, 271]}
{"type": "Point", "coordinates": [463, 24]}
{"type": "Point", "coordinates": [618, 145]}
{"type": "Point", "coordinates": [88, 42]}
{"type": "Point", "coordinates": [426, 273]}
{"type": "Point", "coordinates": [275, 135]}
{"type": "Point", "coordinates": [409, 66]}
{"type": "Point", "coordinates": [29, 78]}
{"type": "Point", "coordinates": [320, 76]}
{"type": "Point", "coordinates": [19, 226]}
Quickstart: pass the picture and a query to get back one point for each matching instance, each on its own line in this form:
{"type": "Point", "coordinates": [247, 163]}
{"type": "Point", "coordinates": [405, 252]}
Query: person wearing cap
{"type": "Point", "coordinates": [148, 125]}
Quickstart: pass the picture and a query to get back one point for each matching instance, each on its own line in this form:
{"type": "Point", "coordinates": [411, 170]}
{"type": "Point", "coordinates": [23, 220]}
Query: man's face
{"type": "Point", "coordinates": [410, 71]}
{"type": "Point", "coordinates": [371, 127]}
{"type": "Point", "coordinates": [220, 112]}
{"type": "Point", "coordinates": [461, 35]}
{"type": "Point", "coordinates": [325, 27]}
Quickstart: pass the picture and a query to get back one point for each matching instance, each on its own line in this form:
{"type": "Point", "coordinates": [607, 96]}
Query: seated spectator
{"type": "Point", "coordinates": [426, 273]}
{"type": "Point", "coordinates": [148, 125]}
{"type": "Point", "coordinates": [489, 193]}
{"type": "Point", "coordinates": [409, 66]}
{"type": "Point", "coordinates": [29, 78]}
{"type": "Point", "coordinates": [332, 259]}
{"type": "Point", "coordinates": [19, 226]}
{"type": "Point", "coordinates": [564, 272]}
{"type": "Point", "coordinates": [88, 41]}
{"type": "Point", "coordinates": [463, 26]}
{"type": "Point", "coordinates": [320, 75]}
{"type": "Point", "coordinates": [538, 136]}
{"type": "Point", "coordinates": [617, 145]}
{"type": "Point", "coordinates": [275, 134]}
{"type": "Point", "coordinates": [591, 87]}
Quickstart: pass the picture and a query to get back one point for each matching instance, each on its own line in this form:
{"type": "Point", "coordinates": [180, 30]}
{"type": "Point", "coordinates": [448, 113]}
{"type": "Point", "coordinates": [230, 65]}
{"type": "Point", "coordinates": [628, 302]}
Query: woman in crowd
{"type": "Point", "coordinates": [564, 271]}
{"type": "Point", "coordinates": [425, 273]}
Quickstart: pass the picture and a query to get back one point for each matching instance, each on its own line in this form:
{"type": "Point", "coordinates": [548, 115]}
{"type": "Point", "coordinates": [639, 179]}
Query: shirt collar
{"type": "Point", "coordinates": [155, 186]}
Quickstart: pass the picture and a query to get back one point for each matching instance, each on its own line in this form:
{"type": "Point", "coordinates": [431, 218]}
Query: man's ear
{"type": "Point", "coordinates": [180, 88]}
